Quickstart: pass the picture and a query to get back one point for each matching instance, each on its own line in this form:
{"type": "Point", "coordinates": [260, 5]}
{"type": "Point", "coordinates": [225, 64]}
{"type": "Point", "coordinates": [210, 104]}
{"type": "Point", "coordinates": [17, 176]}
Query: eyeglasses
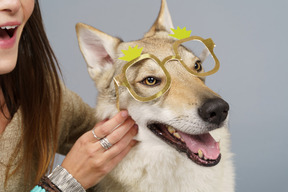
{"type": "Point", "coordinates": [194, 53]}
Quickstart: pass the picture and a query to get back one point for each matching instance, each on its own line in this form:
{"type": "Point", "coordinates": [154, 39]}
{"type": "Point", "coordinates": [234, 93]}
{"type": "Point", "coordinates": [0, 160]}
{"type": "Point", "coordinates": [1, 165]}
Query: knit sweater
{"type": "Point", "coordinates": [76, 118]}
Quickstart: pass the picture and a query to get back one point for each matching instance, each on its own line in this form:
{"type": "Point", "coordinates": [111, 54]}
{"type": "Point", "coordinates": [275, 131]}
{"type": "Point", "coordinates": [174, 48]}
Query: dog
{"type": "Point", "coordinates": [184, 141]}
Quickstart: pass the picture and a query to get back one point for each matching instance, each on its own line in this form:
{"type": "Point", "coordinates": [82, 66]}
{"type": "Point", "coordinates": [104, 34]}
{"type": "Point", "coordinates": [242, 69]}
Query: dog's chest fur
{"type": "Point", "coordinates": [155, 167]}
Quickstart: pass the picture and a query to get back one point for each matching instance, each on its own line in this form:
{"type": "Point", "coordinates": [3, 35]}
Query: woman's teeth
{"type": "Point", "coordinates": [9, 27]}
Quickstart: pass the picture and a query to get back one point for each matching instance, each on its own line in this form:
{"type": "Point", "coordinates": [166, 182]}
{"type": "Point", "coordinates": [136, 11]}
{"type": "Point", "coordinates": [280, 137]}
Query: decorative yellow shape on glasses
{"type": "Point", "coordinates": [131, 53]}
{"type": "Point", "coordinates": [180, 33]}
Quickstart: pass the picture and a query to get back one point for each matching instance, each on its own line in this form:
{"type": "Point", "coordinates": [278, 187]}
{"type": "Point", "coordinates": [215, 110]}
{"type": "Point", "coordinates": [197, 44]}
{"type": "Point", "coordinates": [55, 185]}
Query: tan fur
{"type": "Point", "coordinates": [153, 165]}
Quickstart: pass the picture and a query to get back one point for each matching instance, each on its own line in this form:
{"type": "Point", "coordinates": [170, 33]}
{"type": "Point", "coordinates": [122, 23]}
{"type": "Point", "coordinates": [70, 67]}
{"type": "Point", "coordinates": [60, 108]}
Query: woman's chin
{"type": "Point", "coordinates": [7, 64]}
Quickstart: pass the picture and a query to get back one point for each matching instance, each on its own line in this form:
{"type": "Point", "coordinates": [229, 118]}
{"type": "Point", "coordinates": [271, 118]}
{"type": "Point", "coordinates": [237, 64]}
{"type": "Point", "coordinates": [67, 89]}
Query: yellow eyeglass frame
{"type": "Point", "coordinates": [209, 44]}
{"type": "Point", "coordinates": [121, 80]}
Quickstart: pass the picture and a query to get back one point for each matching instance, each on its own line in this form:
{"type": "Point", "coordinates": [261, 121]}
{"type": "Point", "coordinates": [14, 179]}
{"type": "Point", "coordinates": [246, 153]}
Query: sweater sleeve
{"type": "Point", "coordinates": [76, 118]}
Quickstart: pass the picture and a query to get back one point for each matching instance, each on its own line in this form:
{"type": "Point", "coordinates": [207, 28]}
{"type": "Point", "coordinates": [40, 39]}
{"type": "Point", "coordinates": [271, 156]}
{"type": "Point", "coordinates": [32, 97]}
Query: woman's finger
{"type": "Point", "coordinates": [122, 144]}
{"type": "Point", "coordinates": [95, 137]}
{"type": "Point", "coordinates": [118, 133]}
{"type": "Point", "coordinates": [104, 128]}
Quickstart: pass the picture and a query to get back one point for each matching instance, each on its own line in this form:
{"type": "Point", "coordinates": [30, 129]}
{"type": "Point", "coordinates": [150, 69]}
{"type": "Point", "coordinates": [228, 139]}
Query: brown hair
{"type": "Point", "coordinates": [33, 87]}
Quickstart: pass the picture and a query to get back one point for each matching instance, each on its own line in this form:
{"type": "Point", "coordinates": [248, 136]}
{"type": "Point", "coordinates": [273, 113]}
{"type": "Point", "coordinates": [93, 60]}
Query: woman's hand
{"type": "Point", "coordinates": [88, 161]}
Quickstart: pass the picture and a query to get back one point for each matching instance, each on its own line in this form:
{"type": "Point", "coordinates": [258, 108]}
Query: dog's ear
{"type": "Point", "coordinates": [163, 22]}
{"type": "Point", "coordinates": [97, 47]}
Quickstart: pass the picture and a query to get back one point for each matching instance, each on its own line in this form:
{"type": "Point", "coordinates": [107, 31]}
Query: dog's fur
{"type": "Point", "coordinates": [153, 165]}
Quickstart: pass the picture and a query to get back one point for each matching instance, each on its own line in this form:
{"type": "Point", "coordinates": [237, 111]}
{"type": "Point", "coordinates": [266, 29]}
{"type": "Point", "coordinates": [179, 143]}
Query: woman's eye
{"type": "Point", "coordinates": [198, 66]}
{"type": "Point", "coordinates": [150, 81]}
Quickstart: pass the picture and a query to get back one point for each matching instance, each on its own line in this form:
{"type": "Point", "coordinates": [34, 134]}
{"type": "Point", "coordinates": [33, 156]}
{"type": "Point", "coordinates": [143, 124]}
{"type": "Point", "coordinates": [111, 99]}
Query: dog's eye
{"type": "Point", "coordinates": [150, 81]}
{"type": "Point", "coordinates": [198, 66]}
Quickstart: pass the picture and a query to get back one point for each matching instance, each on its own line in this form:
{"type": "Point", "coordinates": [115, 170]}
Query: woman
{"type": "Point", "coordinates": [39, 116]}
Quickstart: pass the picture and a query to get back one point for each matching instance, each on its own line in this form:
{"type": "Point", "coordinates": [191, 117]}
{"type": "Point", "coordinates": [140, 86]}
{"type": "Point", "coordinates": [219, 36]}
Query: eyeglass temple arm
{"type": "Point", "coordinates": [118, 81]}
{"type": "Point", "coordinates": [117, 95]}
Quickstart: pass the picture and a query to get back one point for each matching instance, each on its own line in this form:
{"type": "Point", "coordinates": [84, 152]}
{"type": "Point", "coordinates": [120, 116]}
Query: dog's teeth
{"type": "Point", "coordinates": [171, 130]}
{"type": "Point", "coordinates": [200, 153]}
{"type": "Point", "coordinates": [205, 158]}
{"type": "Point", "coordinates": [177, 135]}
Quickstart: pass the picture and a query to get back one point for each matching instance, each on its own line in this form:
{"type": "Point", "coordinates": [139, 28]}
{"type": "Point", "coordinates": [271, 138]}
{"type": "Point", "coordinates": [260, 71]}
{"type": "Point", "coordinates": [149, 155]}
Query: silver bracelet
{"type": "Point", "coordinates": [64, 180]}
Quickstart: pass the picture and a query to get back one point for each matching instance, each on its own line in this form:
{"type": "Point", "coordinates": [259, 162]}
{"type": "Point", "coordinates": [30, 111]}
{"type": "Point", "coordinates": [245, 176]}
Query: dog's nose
{"type": "Point", "coordinates": [214, 110]}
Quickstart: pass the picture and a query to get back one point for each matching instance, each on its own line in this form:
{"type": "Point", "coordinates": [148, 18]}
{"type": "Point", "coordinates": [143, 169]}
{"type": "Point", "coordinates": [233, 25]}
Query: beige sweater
{"type": "Point", "coordinates": [76, 118]}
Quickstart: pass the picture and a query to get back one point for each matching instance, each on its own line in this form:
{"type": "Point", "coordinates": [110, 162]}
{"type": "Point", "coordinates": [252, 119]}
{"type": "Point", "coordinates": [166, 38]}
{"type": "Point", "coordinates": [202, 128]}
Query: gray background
{"type": "Point", "coordinates": [251, 38]}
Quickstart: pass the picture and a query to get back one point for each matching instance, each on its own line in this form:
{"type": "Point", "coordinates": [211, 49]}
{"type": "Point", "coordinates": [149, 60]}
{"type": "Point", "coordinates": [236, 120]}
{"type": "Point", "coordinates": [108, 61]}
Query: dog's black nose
{"type": "Point", "coordinates": [214, 110]}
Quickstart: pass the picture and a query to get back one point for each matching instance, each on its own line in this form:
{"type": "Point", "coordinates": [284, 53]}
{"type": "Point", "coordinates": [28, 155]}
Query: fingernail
{"type": "Point", "coordinates": [124, 113]}
{"type": "Point", "coordinates": [135, 127]}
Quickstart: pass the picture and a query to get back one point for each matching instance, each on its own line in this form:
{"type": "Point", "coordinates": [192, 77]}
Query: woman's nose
{"type": "Point", "coordinates": [11, 6]}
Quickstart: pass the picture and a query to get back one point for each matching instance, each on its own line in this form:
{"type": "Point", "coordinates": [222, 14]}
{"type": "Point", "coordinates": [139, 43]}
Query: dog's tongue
{"type": "Point", "coordinates": [205, 143]}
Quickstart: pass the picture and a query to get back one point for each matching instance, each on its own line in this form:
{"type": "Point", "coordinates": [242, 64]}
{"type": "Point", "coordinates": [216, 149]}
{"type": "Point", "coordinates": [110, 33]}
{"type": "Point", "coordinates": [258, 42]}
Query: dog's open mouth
{"type": "Point", "coordinates": [201, 149]}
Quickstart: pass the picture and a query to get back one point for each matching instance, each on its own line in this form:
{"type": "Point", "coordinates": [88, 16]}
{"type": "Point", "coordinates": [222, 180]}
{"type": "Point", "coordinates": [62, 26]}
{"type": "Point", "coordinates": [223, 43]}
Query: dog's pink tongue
{"type": "Point", "coordinates": [205, 143]}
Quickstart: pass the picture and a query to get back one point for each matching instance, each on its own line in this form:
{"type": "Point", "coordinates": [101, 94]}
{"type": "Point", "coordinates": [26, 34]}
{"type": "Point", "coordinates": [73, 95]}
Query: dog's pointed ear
{"type": "Point", "coordinates": [97, 47]}
{"type": "Point", "coordinates": [163, 22]}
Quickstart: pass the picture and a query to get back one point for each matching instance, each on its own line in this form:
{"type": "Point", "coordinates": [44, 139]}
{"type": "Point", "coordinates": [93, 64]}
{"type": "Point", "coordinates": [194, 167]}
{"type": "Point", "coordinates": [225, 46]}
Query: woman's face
{"type": "Point", "coordinates": [13, 16]}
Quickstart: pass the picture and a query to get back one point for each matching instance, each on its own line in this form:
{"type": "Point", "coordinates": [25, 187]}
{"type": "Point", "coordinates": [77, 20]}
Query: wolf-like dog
{"type": "Point", "coordinates": [183, 136]}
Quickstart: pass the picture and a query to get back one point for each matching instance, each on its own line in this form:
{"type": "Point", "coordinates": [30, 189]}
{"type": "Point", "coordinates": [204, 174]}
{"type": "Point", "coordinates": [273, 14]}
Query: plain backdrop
{"type": "Point", "coordinates": [251, 39]}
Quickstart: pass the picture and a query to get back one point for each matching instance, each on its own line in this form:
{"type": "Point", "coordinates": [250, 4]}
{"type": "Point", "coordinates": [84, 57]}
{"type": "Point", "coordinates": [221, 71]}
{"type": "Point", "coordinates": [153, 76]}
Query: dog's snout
{"type": "Point", "coordinates": [214, 110]}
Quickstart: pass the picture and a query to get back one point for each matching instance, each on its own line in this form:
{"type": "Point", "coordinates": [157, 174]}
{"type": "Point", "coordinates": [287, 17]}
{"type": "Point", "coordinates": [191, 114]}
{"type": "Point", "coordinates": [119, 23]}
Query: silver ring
{"type": "Point", "coordinates": [105, 143]}
{"type": "Point", "coordinates": [95, 135]}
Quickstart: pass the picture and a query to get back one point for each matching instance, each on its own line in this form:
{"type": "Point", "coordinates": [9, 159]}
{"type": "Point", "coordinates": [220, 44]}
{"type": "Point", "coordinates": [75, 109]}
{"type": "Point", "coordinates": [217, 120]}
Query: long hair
{"type": "Point", "coordinates": [33, 88]}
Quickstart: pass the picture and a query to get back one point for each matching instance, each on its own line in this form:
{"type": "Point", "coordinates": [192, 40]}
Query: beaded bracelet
{"type": "Point", "coordinates": [48, 185]}
{"type": "Point", "coordinates": [45, 185]}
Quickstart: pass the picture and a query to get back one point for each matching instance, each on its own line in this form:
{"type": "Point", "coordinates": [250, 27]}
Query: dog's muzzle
{"type": "Point", "coordinates": [201, 149]}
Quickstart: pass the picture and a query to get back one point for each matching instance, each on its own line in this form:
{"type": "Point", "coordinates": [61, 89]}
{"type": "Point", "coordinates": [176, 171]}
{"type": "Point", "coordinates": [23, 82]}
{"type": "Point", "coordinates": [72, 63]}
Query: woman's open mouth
{"type": "Point", "coordinates": [201, 149]}
{"type": "Point", "coordinates": [7, 36]}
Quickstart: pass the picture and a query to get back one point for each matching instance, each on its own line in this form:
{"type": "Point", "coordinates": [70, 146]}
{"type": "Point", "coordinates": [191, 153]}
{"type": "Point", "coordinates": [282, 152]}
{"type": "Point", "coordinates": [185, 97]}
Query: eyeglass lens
{"type": "Point", "coordinates": [146, 77]}
{"type": "Point", "coordinates": [194, 53]}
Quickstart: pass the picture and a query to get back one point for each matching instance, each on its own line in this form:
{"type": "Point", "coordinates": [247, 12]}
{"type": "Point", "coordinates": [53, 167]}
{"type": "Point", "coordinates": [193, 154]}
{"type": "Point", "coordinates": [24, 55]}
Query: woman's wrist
{"type": "Point", "coordinates": [60, 180]}
{"type": "Point", "coordinates": [64, 180]}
